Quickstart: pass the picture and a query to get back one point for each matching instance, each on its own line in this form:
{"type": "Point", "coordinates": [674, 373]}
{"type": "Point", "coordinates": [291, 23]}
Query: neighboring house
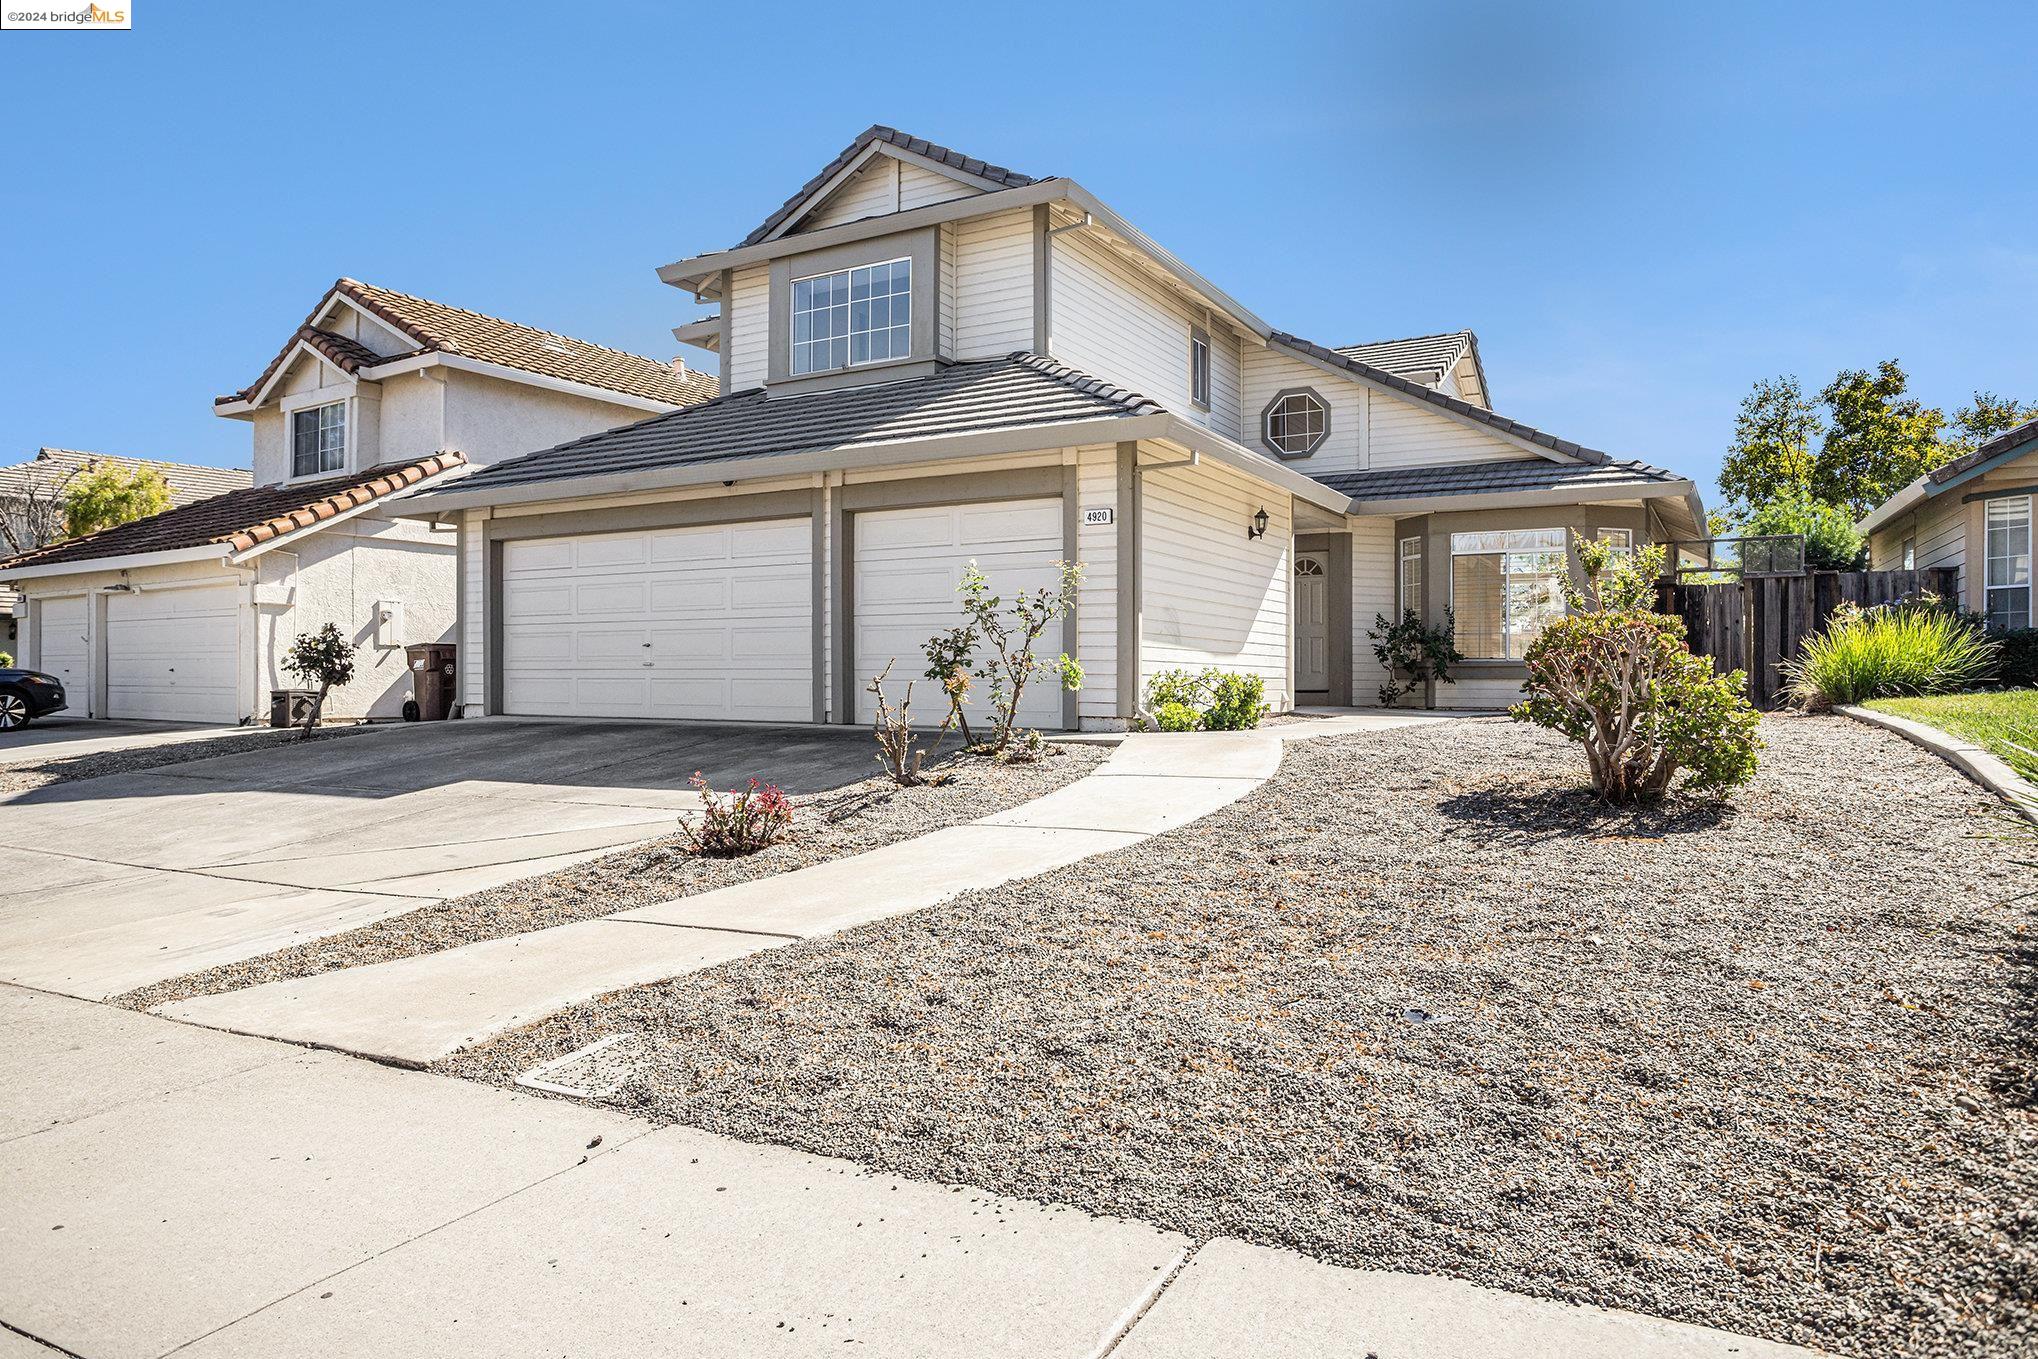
{"type": "Point", "coordinates": [1973, 514]}
{"type": "Point", "coordinates": [187, 615]}
{"type": "Point", "coordinates": [31, 505]}
{"type": "Point", "coordinates": [929, 360]}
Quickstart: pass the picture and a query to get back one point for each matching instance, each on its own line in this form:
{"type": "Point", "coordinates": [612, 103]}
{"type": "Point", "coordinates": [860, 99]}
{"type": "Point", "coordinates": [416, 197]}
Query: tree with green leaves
{"type": "Point", "coordinates": [1879, 439]}
{"type": "Point", "coordinates": [1772, 453]}
{"type": "Point", "coordinates": [322, 658]}
{"type": "Point", "coordinates": [1989, 415]}
{"type": "Point", "coordinates": [103, 495]}
{"type": "Point", "coordinates": [1830, 542]}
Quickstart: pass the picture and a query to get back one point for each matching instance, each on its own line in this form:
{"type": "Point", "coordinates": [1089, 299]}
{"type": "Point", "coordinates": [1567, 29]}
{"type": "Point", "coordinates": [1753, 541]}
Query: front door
{"type": "Point", "coordinates": [1312, 623]}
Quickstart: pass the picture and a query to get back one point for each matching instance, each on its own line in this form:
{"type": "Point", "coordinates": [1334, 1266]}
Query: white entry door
{"type": "Point", "coordinates": [170, 654]}
{"type": "Point", "coordinates": [908, 563]}
{"type": "Point", "coordinates": [61, 649]}
{"type": "Point", "coordinates": [714, 623]}
{"type": "Point", "coordinates": [1312, 623]}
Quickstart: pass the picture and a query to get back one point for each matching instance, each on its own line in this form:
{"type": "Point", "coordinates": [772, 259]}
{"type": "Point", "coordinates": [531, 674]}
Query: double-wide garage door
{"type": "Point", "coordinates": [716, 622]}
{"type": "Point", "coordinates": [712, 622]}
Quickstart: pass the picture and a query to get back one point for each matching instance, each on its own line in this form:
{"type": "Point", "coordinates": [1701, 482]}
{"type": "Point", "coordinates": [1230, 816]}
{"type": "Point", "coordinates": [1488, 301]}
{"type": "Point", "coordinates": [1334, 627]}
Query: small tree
{"type": "Point", "coordinates": [1413, 649]}
{"type": "Point", "coordinates": [893, 728]}
{"type": "Point", "coordinates": [105, 494]}
{"type": "Point", "coordinates": [951, 656]}
{"type": "Point", "coordinates": [1617, 677]}
{"type": "Point", "coordinates": [324, 659]}
{"type": "Point", "coordinates": [1011, 631]}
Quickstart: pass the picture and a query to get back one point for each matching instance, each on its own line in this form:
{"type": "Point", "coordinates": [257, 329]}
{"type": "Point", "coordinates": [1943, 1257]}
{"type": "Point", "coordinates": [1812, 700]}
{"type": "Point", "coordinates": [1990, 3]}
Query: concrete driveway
{"type": "Point", "coordinates": [60, 737]}
{"type": "Point", "coordinates": [121, 881]}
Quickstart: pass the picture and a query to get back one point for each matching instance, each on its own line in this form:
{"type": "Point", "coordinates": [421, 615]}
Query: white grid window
{"type": "Point", "coordinates": [318, 440]}
{"type": "Point", "coordinates": [1296, 423]}
{"type": "Point", "coordinates": [1199, 368]}
{"type": "Point", "coordinates": [2009, 562]}
{"type": "Point", "coordinates": [853, 316]}
{"type": "Point", "coordinates": [1411, 576]}
{"type": "Point", "coordinates": [1506, 587]}
{"type": "Point", "coordinates": [1621, 540]}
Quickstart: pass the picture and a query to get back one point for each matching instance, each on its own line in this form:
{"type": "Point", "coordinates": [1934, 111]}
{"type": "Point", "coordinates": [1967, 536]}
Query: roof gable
{"type": "Point", "coordinates": [980, 176]}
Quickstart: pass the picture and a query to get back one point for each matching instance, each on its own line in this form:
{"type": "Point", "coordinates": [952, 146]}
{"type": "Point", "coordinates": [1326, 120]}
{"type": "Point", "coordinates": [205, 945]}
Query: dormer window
{"type": "Point", "coordinates": [853, 316]}
{"type": "Point", "coordinates": [318, 440]}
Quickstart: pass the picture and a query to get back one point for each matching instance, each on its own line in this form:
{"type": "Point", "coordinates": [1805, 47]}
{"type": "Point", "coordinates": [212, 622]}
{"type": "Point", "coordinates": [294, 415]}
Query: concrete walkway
{"type": "Point", "coordinates": [164, 1187]}
{"type": "Point", "coordinates": [414, 1011]}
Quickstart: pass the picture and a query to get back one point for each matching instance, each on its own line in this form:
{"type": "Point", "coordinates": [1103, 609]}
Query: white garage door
{"type": "Point", "coordinates": [60, 646]}
{"type": "Point", "coordinates": [713, 623]}
{"type": "Point", "coordinates": [908, 563]}
{"type": "Point", "coordinates": [170, 654]}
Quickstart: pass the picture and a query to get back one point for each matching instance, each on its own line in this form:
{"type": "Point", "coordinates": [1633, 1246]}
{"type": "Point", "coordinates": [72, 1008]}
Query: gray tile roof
{"type": "Point", "coordinates": [969, 165]}
{"type": "Point", "coordinates": [1014, 392]}
{"type": "Point", "coordinates": [1527, 433]}
{"type": "Point", "coordinates": [1413, 356]}
{"type": "Point", "coordinates": [1487, 478]}
{"type": "Point", "coordinates": [2002, 443]}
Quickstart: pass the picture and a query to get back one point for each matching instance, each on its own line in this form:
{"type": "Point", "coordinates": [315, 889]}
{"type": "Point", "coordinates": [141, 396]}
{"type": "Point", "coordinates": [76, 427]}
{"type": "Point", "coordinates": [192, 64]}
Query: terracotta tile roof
{"type": "Point", "coordinates": [241, 519]}
{"type": "Point", "coordinates": [434, 327]}
{"type": "Point", "coordinates": [51, 467]}
{"type": "Point", "coordinates": [955, 160]}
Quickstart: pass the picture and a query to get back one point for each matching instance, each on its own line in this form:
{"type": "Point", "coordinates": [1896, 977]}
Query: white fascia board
{"type": "Point", "coordinates": [707, 333]}
{"type": "Point", "coordinates": [1026, 439]}
{"type": "Point", "coordinates": [864, 158]}
{"type": "Point", "coordinates": [133, 561]}
{"type": "Point", "coordinates": [234, 410]}
{"type": "Point", "coordinates": [1917, 493]}
{"type": "Point", "coordinates": [1682, 491]}
{"type": "Point", "coordinates": [1217, 448]}
{"type": "Point", "coordinates": [261, 396]}
{"type": "Point", "coordinates": [1432, 407]}
{"type": "Point", "coordinates": [1082, 199]}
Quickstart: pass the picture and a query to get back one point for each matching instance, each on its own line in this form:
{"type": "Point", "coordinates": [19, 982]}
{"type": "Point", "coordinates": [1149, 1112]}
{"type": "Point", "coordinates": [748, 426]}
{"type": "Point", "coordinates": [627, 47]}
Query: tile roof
{"type": "Point", "coordinates": [238, 520]}
{"type": "Point", "coordinates": [1527, 433]}
{"type": "Point", "coordinates": [955, 160]}
{"type": "Point", "coordinates": [1413, 356]}
{"type": "Point", "coordinates": [1477, 478]}
{"type": "Point", "coordinates": [2001, 443]}
{"type": "Point", "coordinates": [1017, 391]}
{"type": "Point", "coordinates": [434, 327]}
{"type": "Point", "coordinates": [51, 467]}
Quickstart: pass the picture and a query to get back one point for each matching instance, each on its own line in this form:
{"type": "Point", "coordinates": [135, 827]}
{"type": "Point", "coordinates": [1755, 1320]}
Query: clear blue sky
{"type": "Point", "coordinates": [1639, 207]}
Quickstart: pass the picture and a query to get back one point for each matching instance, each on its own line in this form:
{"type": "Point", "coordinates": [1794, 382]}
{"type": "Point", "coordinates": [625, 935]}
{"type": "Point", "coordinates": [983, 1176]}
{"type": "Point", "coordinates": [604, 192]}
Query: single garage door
{"type": "Point", "coordinates": [60, 647]}
{"type": "Point", "coordinates": [712, 623]}
{"type": "Point", "coordinates": [170, 654]}
{"type": "Point", "coordinates": [908, 563]}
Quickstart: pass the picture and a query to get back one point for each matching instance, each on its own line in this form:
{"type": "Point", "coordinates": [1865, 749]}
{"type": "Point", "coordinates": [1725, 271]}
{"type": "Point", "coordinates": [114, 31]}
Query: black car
{"type": "Point", "coordinates": [28, 694]}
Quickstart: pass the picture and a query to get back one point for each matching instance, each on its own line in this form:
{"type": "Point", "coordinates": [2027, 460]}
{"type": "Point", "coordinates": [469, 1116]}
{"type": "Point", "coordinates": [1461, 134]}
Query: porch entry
{"type": "Point", "coordinates": [1312, 624]}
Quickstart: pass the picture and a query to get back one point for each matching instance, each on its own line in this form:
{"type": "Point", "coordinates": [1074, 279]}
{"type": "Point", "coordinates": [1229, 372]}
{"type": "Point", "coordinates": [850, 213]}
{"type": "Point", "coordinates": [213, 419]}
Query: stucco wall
{"type": "Point", "coordinates": [490, 420]}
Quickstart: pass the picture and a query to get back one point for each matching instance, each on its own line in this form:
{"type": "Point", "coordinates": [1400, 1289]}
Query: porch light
{"type": "Point", "coordinates": [1259, 526]}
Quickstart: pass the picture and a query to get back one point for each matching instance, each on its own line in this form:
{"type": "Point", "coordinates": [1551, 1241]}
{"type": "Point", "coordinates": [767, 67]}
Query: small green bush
{"type": "Point", "coordinates": [6, 660]}
{"type": "Point", "coordinates": [1895, 651]}
{"type": "Point", "coordinates": [2017, 658]}
{"type": "Point", "coordinates": [1177, 717]}
{"type": "Point", "coordinates": [1237, 703]}
{"type": "Point", "coordinates": [1212, 700]}
{"type": "Point", "coordinates": [1413, 653]}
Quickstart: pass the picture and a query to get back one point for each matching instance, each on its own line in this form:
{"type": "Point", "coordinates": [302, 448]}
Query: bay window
{"type": "Point", "coordinates": [1506, 587]}
{"type": "Point", "coordinates": [2008, 582]}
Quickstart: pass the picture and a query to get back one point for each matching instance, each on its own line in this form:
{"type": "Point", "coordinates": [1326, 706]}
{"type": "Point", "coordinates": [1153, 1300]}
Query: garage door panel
{"type": "Point", "coordinates": [544, 554]}
{"type": "Point", "coordinates": [171, 654]}
{"type": "Point", "coordinates": [60, 644]}
{"type": "Point", "coordinates": [903, 530]}
{"type": "Point", "coordinates": [712, 622]}
{"type": "Point", "coordinates": [992, 526]}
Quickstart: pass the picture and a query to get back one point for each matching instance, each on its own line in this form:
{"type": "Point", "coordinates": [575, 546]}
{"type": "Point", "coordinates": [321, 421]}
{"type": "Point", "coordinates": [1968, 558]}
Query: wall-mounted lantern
{"type": "Point", "coordinates": [1259, 526]}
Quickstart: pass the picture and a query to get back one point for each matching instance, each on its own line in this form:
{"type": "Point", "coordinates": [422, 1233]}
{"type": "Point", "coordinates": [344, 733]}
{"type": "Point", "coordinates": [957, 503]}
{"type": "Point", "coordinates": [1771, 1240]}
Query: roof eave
{"type": "Point", "coordinates": [1917, 493]}
{"type": "Point", "coordinates": [1207, 442]}
{"type": "Point", "coordinates": [128, 562]}
{"type": "Point", "coordinates": [1680, 490]}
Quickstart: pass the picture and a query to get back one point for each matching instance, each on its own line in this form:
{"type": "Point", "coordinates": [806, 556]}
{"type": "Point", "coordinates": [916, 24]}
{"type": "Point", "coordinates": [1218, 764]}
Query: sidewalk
{"type": "Point", "coordinates": [164, 1187]}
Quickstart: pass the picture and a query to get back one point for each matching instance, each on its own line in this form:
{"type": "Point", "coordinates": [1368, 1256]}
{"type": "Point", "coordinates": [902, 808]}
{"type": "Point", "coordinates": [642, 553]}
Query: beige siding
{"type": "Point", "coordinates": [994, 285]}
{"type": "Point", "coordinates": [870, 192]}
{"type": "Point", "coordinates": [473, 641]}
{"type": "Point", "coordinates": [1374, 563]}
{"type": "Point", "coordinates": [1407, 434]}
{"type": "Point", "coordinates": [1097, 603]}
{"type": "Point", "coordinates": [1265, 372]}
{"type": "Point", "coordinates": [944, 339]}
{"type": "Point", "coordinates": [1212, 597]}
{"type": "Point", "coordinates": [920, 187]}
{"type": "Point", "coordinates": [1470, 691]}
{"type": "Point", "coordinates": [749, 327]}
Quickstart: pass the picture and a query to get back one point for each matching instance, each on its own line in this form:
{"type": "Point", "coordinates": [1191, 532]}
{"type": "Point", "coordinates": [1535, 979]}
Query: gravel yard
{"type": "Point", "coordinates": [848, 820]}
{"type": "Point", "coordinates": [1419, 1003]}
{"type": "Point", "coordinates": [32, 773]}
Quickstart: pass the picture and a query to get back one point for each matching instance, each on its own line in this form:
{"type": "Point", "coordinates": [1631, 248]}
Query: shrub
{"type": "Point", "coordinates": [2017, 658]}
{"type": "Point", "coordinates": [1011, 631]}
{"type": "Point", "coordinates": [1616, 676]}
{"type": "Point", "coordinates": [1890, 652]}
{"type": "Point", "coordinates": [6, 660]}
{"type": "Point", "coordinates": [1205, 700]}
{"type": "Point", "coordinates": [324, 659]}
{"type": "Point", "coordinates": [893, 728]}
{"type": "Point", "coordinates": [951, 656]}
{"type": "Point", "coordinates": [1412, 648]}
{"type": "Point", "coordinates": [743, 822]}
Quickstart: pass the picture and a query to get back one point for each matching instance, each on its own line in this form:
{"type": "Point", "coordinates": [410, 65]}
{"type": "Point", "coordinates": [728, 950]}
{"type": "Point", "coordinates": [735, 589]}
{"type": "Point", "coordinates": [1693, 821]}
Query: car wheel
{"type": "Point", "coordinates": [13, 710]}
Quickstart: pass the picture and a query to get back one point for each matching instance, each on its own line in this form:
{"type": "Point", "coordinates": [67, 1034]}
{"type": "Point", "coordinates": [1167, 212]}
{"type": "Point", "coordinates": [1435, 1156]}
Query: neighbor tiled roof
{"type": "Point", "coordinates": [1484, 478]}
{"type": "Point", "coordinates": [969, 165]}
{"type": "Point", "coordinates": [241, 519]}
{"type": "Point", "coordinates": [51, 467]}
{"type": "Point", "coordinates": [1017, 391]}
{"type": "Point", "coordinates": [1516, 428]}
{"type": "Point", "coordinates": [434, 327]}
{"type": "Point", "coordinates": [2002, 443]}
{"type": "Point", "coordinates": [1413, 356]}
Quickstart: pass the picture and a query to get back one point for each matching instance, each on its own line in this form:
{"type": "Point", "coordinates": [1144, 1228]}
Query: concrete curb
{"type": "Point", "coordinates": [1970, 759]}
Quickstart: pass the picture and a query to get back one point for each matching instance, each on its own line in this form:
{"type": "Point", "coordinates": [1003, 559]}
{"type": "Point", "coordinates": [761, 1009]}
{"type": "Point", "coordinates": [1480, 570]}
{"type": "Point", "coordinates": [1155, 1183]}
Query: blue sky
{"type": "Point", "coordinates": [1640, 208]}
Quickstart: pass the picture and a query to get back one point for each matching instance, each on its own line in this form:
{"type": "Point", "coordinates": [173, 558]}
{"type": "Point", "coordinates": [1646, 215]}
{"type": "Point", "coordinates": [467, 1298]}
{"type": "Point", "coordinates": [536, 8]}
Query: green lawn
{"type": "Point", "coordinates": [2006, 722]}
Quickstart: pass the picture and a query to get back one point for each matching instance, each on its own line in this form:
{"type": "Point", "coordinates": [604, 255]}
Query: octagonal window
{"type": "Point", "coordinates": [1295, 422]}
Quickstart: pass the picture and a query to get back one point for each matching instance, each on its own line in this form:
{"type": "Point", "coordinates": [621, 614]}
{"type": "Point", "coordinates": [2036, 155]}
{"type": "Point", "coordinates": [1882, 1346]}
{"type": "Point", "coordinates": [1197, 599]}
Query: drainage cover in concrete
{"type": "Point", "coordinates": [593, 1072]}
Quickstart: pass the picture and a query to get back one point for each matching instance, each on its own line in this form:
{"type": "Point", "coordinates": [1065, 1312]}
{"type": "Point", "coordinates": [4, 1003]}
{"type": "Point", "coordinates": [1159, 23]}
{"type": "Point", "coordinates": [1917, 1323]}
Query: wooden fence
{"type": "Point", "coordinates": [1759, 623]}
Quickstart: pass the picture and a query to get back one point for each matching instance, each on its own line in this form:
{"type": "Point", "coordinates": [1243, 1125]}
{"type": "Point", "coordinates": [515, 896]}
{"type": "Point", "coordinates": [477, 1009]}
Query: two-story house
{"type": "Point", "coordinates": [186, 615]}
{"type": "Point", "coordinates": [929, 360]}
